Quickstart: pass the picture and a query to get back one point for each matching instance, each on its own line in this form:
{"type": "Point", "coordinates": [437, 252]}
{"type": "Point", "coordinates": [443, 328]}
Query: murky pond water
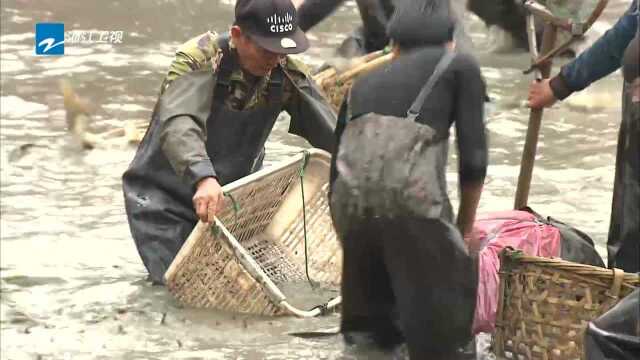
{"type": "Point", "coordinates": [72, 284]}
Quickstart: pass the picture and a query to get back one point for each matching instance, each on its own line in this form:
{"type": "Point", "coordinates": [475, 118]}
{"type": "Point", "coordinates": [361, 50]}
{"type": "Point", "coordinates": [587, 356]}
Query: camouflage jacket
{"type": "Point", "coordinates": [182, 141]}
{"type": "Point", "coordinates": [247, 91]}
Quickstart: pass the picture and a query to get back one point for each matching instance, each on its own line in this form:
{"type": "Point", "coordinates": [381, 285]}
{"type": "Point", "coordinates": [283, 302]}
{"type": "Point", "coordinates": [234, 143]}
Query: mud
{"type": "Point", "coordinates": [71, 282]}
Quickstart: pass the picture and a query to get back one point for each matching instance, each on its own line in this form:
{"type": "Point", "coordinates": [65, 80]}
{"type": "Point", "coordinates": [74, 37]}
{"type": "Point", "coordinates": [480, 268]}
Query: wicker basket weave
{"type": "Point", "coordinates": [257, 244]}
{"type": "Point", "coordinates": [335, 84]}
{"type": "Point", "coordinates": [546, 304]}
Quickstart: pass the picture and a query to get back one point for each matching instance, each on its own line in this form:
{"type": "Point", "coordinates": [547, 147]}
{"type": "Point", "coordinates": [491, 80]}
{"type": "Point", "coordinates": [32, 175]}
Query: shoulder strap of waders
{"type": "Point", "coordinates": [224, 69]}
{"type": "Point", "coordinates": [275, 85]}
{"type": "Point", "coordinates": [445, 60]}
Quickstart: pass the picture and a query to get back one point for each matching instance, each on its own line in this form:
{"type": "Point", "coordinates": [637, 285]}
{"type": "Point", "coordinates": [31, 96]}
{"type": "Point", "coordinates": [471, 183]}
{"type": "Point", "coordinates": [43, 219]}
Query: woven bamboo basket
{"type": "Point", "coordinates": [257, 244]}
{"type": "Point", "coordinates": [546, 304]}
{"type": "Point", "coordinates": [335, 83]}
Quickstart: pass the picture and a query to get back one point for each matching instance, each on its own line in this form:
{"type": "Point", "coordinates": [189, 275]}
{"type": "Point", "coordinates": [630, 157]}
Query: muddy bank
{"type": "Point", "coordinates": [71, 281]}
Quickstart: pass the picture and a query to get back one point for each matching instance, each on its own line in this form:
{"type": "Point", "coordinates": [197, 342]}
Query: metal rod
{"type": "Point", "coordinates": [313, 312]}
{"type": "Point", "coordinates": [544, 13]}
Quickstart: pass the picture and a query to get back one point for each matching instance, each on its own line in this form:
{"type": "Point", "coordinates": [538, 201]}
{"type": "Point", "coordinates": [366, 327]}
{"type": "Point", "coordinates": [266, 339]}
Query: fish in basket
{"type": "Point", "coordinates": [273, 240]}
{"type": "Point", "coordinates": [546, 304]}
{"type": "Point", "coordinates": [335, 82]}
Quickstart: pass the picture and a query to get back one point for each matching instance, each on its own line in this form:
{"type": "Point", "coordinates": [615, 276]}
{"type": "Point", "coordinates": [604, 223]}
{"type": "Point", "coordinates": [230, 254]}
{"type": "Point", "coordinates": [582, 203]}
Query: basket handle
{"type": "Point", "coordinates": [318, 310]}
{"type": "Point", "coordinates": [249, 263]}
{"type": "Point", "coordinates": [618, 276]}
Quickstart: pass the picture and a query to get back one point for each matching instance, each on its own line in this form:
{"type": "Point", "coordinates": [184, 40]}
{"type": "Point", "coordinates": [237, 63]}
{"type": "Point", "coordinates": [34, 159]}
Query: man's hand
{"type": "Point", "coordinates": [208, 199]}
{"type": "Point", "coordinates": [540, 95]}
{"type": "Point", "coordinates": [472, 240]}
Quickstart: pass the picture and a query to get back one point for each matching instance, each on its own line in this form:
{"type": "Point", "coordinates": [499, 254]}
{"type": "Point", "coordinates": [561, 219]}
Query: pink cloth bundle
{"type": "Point", "coordinates": [518, 229]}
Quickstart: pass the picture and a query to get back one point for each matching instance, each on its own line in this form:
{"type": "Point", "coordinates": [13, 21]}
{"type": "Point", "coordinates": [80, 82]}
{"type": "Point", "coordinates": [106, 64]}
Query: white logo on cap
{"type": "Point", "coordinates": [279, 23]}
{"type": "Point", "coordinates": [288, 43]}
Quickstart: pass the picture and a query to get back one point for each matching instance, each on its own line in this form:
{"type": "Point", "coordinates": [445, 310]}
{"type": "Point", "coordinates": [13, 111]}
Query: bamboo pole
{"type": "Point", "coordinates": [363, 68]}
{"type": "Point", "coordinates": [533, 130]}
{"type": "Point", "coordinates": [335, 83]}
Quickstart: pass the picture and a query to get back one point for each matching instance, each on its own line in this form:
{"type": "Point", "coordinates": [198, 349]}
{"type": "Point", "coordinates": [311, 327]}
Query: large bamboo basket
{"type": "Point", "coordinates": [335, 83]}
{"type": "Point", "coordinates": [257, 245]}
{"type": "Point", "coordinates": [545, 305]}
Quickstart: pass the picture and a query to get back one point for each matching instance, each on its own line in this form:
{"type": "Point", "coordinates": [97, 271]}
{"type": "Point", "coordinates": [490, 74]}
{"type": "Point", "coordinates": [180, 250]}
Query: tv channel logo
{"type": "Point", "coordinates": [49, 39]}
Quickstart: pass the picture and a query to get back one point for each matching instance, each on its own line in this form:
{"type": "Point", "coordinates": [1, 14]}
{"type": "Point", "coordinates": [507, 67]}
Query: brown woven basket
{"type": "Point", "coordinates": [257, 245]}
{"type": "Point", "coordinates": [335, 84]}
{"type": "Point", "coordinates": [546, 304]}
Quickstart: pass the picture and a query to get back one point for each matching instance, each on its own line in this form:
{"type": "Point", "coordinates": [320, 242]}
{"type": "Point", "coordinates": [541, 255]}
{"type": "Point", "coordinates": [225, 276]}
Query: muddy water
{"type": "Point", "coordinates": [72, 285]}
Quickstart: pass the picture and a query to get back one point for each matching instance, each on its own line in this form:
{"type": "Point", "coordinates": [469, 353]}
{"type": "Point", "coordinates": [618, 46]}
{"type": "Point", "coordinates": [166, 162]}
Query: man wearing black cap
{"type": "Point", "coordinates": [259, 28]}
{"type": "Point", "coordinates": [601, 59]}
{"type": "Point", "coordinates": [218, 105]}
{"type": "Point", "coordinates": [407, 273]}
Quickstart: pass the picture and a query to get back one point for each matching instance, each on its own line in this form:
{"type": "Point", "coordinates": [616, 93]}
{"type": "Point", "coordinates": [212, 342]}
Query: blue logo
{"type": "Point", "coordinates": [49, 39]}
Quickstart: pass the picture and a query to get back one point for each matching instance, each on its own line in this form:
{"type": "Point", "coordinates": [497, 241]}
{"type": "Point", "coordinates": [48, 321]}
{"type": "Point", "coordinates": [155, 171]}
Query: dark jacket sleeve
{"type": "Point", "coordinates": [311, 12]}
{"type": "Point", "coordinates": [469, 120]}
{"type": "Point", "coordinates": [601, 59]}
{"type": "Point", "coordinates": [341, 124]}
{"type": "Point", "coordinates": [311, 115]}
{"type": "Point", "coordinates": [183, 112]}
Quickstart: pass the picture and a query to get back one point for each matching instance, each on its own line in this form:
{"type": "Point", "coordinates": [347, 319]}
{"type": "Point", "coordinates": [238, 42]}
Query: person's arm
{"type": "Point", "coordinates": [182, 140]}
{"type": "Point", "coordinates": [311, 12]}
{"type": "Point", "coordinates": [340, 125]}
{"type": "Point", "coordinates": [311, 115]}
{"type": "Point", "coordinates": [471, 141]}
{"type": "Point", "coordinates": [470, 193]}
{"type": "Point", "coordinates": [599, 60]}
{"type": "Point", "coordinates": [190, 56]}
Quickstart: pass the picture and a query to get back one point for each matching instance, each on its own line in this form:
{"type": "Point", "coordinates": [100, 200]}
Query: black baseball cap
{"type": "Point", "coordinates": [272, 24]}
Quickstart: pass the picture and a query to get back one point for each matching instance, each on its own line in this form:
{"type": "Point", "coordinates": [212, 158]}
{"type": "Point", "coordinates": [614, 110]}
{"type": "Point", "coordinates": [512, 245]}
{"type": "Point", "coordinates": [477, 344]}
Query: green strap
{"type": "Point", "coordinates": [236, 206]}
{"type": "Point", "coordinates": [236, 209]}
{"type": "Point", "coordinates": [305, 160]}
{"type": "Point", "coordinates": [303, 166]}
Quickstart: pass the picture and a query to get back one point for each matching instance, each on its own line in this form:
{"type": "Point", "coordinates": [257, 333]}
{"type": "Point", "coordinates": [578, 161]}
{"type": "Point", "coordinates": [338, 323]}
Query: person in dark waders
{"type": "Point", "coordinates": [601, 59]}
{"type": "Point", "coordinates": [219, 103]}
{"type": "Point", "coordinates": [408, 273]}
{"type": "Point", "coordinates": [375, 14]}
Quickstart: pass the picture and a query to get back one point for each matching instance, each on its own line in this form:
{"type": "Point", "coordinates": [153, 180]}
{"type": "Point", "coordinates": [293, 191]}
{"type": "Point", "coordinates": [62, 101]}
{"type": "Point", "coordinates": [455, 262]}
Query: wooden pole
{"type": "Point", "coordinates": [535, 118]}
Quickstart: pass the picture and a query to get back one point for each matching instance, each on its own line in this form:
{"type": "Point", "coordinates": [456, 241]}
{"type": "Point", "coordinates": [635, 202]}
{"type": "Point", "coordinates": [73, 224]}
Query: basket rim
{"type": "Point", "coordinates": [200, 227]}
{"type": "Point", "coordinates": [560, 264]}
{"type": "Point", "coordinates": [286, 163]}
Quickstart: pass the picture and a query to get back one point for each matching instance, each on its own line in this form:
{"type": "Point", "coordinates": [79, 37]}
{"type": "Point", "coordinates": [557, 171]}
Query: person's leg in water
{"type": "Point", "coordinates": [367, 300]}
{"type": "Point", "coordinates": [434, 283]}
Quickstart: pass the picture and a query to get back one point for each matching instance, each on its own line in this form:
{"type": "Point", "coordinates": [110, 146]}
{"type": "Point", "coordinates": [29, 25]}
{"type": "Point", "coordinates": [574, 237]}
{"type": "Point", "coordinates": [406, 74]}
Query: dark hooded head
{"type": "Point", "coordinates": [630, 63]}
{"type": "Point", "coordinates": [413, 26]}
